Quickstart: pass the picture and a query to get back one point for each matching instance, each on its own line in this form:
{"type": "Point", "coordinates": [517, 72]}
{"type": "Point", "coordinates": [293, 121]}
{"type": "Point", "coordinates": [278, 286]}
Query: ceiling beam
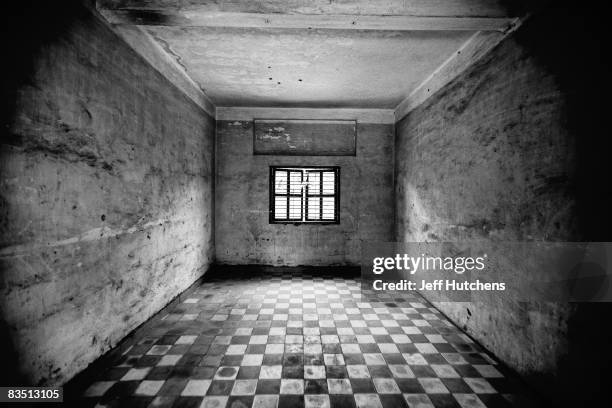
{"type": "Point", "coordinates": [304, 21]}
{"type": "Point", "coordinates": [417, 8]}
{"type": "Point", "coordinates": [469, 53]}
{"type": "Point", "coordinates": [150, 50]}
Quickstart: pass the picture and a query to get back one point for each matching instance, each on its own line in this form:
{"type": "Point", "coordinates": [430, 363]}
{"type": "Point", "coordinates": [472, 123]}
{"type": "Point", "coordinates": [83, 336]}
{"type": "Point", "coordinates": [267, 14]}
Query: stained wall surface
{"type": "Point", "coordinates": [106, 189]}
{"type": "Point", "coordinates": [509, 151]}
{"type": "Point", "coordinates": [243, 233]}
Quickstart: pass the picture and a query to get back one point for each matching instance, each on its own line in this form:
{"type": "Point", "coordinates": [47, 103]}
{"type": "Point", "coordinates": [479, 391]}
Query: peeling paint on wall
{"type": "Point", "coordinates": [305, 137]}
{"type": "Point", "coordinates": [106, 202]}
{"type": "Point", "coordinates": [490, 158]}
{"type": "Point", "coordinates": [242, 229]}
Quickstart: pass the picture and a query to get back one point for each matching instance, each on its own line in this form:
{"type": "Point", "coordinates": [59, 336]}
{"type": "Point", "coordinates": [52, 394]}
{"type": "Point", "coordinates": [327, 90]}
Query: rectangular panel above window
{"type": "Point", "coordinates": [304, 137]}
{"type": "Point", "coordinates": [304, 195]}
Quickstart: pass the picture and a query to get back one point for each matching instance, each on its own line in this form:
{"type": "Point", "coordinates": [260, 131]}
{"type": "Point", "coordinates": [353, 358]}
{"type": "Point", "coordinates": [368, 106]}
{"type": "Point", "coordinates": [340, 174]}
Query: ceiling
{"type": "Point", "coordinates": [288, 68]}
{"type": "Point", "coordinates": [318, 53]}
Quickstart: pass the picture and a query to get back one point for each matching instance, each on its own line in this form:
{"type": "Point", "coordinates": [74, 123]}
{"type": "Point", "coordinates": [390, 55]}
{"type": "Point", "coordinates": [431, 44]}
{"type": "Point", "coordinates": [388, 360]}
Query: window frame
{"type": "Point", "coordinates": [304, 196]}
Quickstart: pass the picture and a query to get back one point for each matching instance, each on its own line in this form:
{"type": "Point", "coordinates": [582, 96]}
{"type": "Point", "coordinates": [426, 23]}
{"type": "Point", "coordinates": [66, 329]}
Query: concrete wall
{"type": "Point", "coordinates": [243, 233]}
{"type": "Point", "coordinates": [106, 194]}
{"type": "Point", "coordinates": [505, 153]}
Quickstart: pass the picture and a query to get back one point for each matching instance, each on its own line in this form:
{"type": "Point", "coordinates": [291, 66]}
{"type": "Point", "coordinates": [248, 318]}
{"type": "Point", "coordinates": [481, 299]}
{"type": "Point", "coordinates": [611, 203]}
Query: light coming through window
{"type": "Point", "coordinates": [304, 195]}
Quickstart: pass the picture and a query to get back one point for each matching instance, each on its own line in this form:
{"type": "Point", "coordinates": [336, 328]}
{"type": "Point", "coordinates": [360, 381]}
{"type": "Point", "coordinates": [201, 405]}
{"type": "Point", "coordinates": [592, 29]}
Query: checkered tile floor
{"type": "Point", "coordinates": [300, 340]}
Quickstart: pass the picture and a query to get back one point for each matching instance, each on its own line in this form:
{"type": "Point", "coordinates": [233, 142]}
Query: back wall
{"type": "Point", "coordinates": [242, 229]}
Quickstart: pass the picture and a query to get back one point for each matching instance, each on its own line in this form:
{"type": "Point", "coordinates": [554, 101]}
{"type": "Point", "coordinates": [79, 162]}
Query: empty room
{"type": "Point", "coordinates": [305, 203]}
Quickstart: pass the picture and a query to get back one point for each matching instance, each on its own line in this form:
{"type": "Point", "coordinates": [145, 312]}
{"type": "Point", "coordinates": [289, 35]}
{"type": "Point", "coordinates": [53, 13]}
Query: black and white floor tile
{"type": "Point", "coordinates": [303, 340]}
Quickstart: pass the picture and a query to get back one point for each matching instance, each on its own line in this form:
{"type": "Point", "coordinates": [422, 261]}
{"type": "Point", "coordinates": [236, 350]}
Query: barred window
{"type": "Point", "coordinates": [304, 195]}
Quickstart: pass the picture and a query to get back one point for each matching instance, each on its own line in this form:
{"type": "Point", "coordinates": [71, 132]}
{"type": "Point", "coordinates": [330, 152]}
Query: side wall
{"type": "Point", "coordinates": [243, 232]}
{"type": "Point", "coordinates": [106, 193]}
{"type": "Point", "coordinates": [506, 153]}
